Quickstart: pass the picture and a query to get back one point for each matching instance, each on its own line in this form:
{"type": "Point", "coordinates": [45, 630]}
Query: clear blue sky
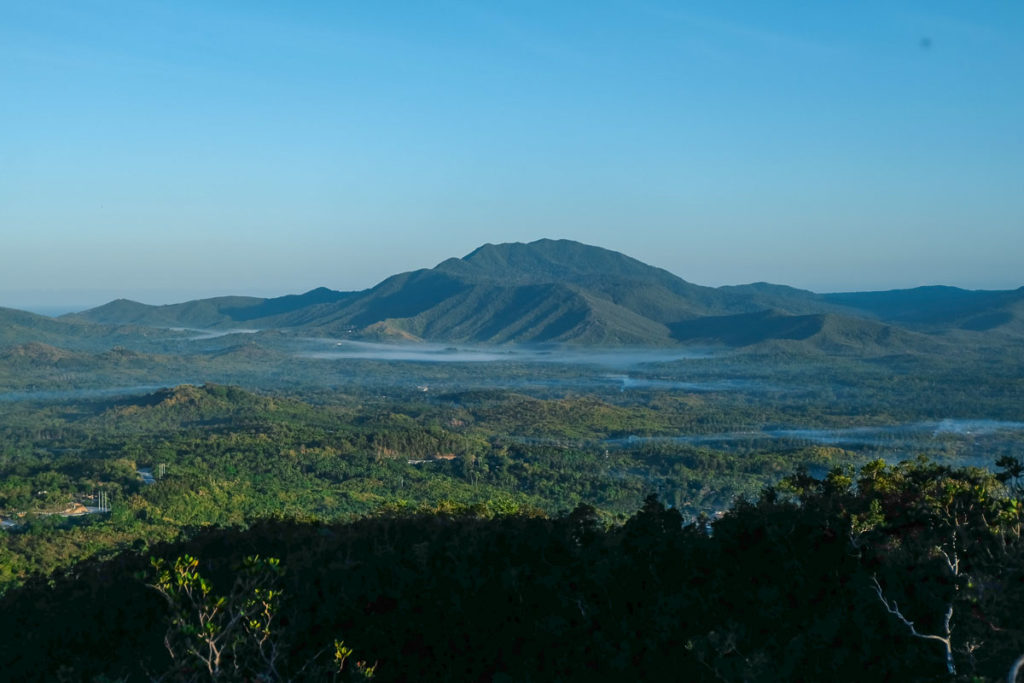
{"type": "Point", "coordinates": [170, 150]}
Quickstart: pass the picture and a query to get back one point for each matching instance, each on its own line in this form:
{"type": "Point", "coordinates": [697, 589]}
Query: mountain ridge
{"type": "Point", "coordinates": [568, 292]}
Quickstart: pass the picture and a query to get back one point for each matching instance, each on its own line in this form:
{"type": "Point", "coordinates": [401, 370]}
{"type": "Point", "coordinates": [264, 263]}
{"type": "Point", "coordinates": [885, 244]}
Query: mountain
{"type": "Point", "coordinates": [567, 292]}
{"type": "Point", "coordinates": [545, 291]}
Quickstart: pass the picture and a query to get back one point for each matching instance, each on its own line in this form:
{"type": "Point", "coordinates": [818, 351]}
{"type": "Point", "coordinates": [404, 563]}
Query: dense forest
{"type": "Point", "coordinates": [222, 456]}
{"type": "Point", "coordinates": [910, 572]}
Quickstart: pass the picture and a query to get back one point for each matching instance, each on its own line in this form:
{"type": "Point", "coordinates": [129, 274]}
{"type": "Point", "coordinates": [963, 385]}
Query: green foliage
{"type": "Point", "coordinates": [230, 636]}
{"type": "Point", "coordinates": [784, 588]}
{"type": "Point", "coordinates": [361, 671]}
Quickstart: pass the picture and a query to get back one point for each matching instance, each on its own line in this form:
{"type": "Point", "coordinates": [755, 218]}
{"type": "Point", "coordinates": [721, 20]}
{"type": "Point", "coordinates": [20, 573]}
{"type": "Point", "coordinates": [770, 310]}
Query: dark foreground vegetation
{"type": "Point", "coordinates": [912, 572]}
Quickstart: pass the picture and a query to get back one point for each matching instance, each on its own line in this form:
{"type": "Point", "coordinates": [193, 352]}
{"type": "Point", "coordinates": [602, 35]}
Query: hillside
{"type": "Point", "coordinates": [76, 333]}
{"type": "Point", "coordinates": [202, 313]}
{"type": "Point", "coordinates": [179, 407]}
{"type": "Point", "coordinates": [560, 291]}
{"type": "Point", "coordinates": [940, 308]}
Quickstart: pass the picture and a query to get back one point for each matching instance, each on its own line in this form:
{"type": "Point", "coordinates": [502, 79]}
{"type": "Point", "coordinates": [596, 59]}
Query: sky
{"type": "Point", "coordinates": [164, 151]}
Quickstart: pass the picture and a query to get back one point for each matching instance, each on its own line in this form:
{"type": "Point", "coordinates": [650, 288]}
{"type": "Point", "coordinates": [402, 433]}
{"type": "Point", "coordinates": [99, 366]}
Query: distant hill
{"type": "Point", "coordinates": [200, 314]}
{"type": "Point", "coordinates": [44, 355]}
{"type": "Point", "coordinates": [206, 406]}
{"type": "Point", "coordinates": [36, 353]}
{"type": "Point", "coordinates": [208, 313]}
{"type": "Point", "coordinates": [560, 291]}
{"type": "Point", "coordinates": [182, 405]}
{"type": "Point", "coordinates": [20, 327]}
{"type": "Point", "coordinates": [940, 308]}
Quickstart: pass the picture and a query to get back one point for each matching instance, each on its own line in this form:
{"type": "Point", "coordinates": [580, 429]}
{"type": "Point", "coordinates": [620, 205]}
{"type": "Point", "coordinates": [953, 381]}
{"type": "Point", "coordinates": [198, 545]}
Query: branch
{"type": "Point", "coordinates": [893, 608]}
{"type": "Point", "coordinates": [953, 562]}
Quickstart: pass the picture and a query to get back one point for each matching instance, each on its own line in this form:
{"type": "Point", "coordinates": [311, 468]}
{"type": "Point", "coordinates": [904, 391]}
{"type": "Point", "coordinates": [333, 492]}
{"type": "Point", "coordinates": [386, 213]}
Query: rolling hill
{"type": "Point", "coordinates": [71, 332]}
{"type": "Point", "coordinates": [940, 308]}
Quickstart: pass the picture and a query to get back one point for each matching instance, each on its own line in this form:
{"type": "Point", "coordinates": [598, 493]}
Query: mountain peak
{"type": "Point", "coordinates": [547, 261]}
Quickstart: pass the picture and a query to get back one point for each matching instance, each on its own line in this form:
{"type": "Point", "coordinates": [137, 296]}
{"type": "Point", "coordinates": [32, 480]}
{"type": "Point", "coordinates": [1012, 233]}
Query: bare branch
{"type": "Point", "coordinates": [952, 558]}
{"type": "Point", "coordinates": [893, 608]}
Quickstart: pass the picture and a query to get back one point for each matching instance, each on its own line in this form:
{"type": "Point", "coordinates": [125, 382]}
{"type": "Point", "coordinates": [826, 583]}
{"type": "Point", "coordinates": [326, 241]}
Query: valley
{"type": "Point", "coordinates": [545, 384]}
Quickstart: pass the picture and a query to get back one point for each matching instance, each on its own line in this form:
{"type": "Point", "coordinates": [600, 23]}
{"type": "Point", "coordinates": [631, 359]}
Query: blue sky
{"type": "Point", "coordinates": [170, 150]}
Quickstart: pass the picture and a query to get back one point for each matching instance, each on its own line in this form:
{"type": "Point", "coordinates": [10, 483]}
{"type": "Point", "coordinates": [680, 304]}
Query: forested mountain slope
{"type": "Point", "coordinates": [567, 292]}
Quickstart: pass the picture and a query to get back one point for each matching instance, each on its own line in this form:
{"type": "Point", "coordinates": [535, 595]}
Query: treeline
{"type": "Point", "coordinates": [912, 573]}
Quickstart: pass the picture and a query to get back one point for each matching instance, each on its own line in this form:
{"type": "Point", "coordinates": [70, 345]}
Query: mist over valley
{"type": "Point", "coordinates": [746, 369]}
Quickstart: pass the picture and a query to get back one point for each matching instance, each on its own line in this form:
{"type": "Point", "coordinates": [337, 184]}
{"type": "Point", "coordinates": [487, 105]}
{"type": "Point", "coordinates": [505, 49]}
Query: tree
{"type": "Point", "coordinates": [222, 636]}
{"type": "Point", "coordinates": [939, 537]}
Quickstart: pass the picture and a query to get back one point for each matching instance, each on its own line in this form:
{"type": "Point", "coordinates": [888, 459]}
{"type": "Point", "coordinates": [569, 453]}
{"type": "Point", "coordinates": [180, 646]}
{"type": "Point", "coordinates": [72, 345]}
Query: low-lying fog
{"type": "Point", "coordinates": [973, 442]}
{"type": "Point", "coordinates": [934, 433]}
{"type": "Point", "coordinates": [438, 353]}
{"type": "Point", "coordinates": [627, 383]}
{"type": "Point", "coordinates": [203, 335]}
